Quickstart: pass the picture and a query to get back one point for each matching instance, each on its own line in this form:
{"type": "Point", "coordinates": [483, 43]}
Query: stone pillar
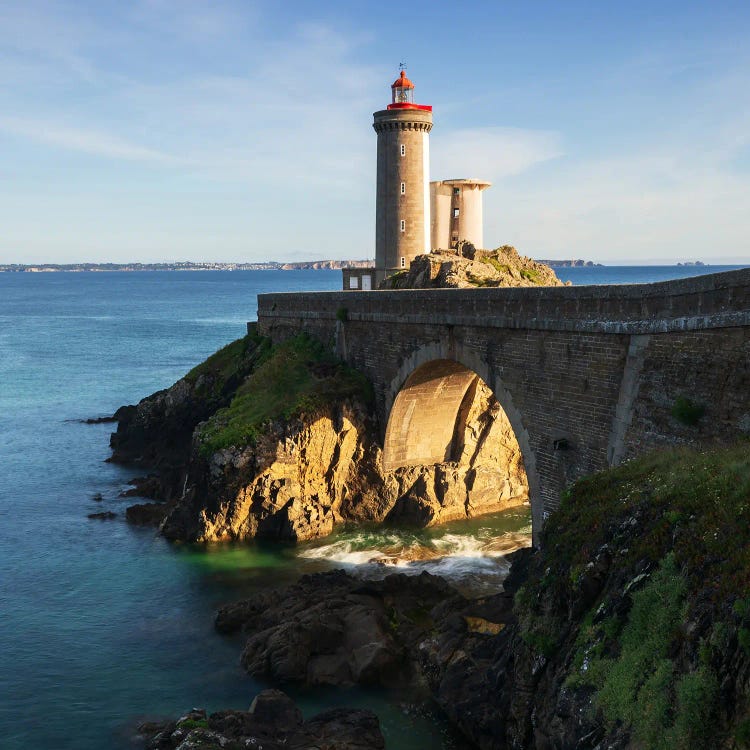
{"type": "Point", "coordinates": [456, 212]}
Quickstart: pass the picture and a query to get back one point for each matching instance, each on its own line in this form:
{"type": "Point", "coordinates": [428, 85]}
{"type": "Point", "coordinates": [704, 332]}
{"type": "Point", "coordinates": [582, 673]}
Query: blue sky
{"type": "Point", "coordinates": [237, 130]}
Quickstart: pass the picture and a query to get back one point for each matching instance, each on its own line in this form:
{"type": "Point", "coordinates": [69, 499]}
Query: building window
{"type": "Point", "coordinates": [403, 225]}
{"type": "Point", "coordinates": [403, 188]}
{"type": "Point", "coordinates": [403, 262]}
{"type": "Point", "coordinates": [456, 191]}
{"type": "Point", "coordinates": [455, 213]}
{"type": "Point", "coordinates": [403, 150]}
{"type": "Point", "coordinates": [353, 282]}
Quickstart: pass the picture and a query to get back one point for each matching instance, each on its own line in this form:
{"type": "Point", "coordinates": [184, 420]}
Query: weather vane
{"type": "Point", "coordinates": [402, 66]}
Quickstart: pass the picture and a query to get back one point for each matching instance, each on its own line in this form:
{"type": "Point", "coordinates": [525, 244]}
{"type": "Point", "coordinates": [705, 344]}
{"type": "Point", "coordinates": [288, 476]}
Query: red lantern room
{"type": "Point", "coordinates": [403, 95]}
{"type": "Point", "coordinates": [403, 90]}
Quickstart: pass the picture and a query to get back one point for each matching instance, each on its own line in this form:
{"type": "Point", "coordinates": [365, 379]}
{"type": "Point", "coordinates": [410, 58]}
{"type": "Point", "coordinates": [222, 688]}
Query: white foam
{"type": "Point", "coordinates": [475, 561]}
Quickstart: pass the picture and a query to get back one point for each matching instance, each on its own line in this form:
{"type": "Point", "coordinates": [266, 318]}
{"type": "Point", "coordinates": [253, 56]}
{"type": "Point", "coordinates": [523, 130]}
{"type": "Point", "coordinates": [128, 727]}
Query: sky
{"type": "Point", "coordinates": [236, 130]}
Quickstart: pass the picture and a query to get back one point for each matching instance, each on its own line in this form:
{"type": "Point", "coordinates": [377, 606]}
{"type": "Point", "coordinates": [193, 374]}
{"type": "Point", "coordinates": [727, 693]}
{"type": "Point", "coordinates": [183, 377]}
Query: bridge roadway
{"type": "Point", "coordinates": [588, 376]}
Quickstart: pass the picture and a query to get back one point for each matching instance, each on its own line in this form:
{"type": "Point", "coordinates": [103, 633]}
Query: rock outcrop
{"type": "Point", "coordinates": [628, 629]}
{"type": "Point", "coordinates": [466, 267]}
{"type": "Point", "coordinates": [333, 629]}
{"type": "Point", "coordinates": [273, 722]}
{"type": "Point", "coordinates": [282, 444]}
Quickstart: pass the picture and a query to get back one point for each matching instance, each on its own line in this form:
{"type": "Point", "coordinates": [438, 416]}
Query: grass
{"type": "Point", "coordinates": [193, 724]}
{"type": "Point", "coordinates": [298, 377]}
{"type": "Point", "coordinates": [683, 499]}
{"type": "Point", "coordinates": [635, 686]}
{"type": "Point", "coordinates": [683, 517]}
{"type": "Point", "coordinates": [502, 268]}
{"type": "Point", "coordinates": [478, 281]}
{"type": "Point", "coordinates": [531, 275]}
{"type": "Point", "coordinates": [224, 369]}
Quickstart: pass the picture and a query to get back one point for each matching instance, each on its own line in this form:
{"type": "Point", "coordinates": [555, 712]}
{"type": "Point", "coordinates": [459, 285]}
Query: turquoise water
{"type": "Point", "coordinates": [101, 623]}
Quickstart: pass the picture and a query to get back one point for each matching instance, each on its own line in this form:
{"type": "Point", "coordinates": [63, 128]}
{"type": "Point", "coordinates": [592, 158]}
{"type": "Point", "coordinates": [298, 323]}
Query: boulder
{"type": "Point", "coordinates": [273, 722]}
{"type": "Point", "coordinates": [332, 629]}
{"type": "Point", "coordinates": [146, 514]}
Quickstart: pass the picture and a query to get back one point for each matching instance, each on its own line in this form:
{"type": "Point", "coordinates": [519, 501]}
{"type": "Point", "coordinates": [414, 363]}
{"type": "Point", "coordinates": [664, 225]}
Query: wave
{"type": "Point", "coordinates": [475, 562]}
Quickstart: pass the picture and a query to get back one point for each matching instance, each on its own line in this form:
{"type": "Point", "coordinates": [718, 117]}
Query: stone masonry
{"type": "Point", "coordinates": [587, 376]}
{"type": "Point", "coordinates": [403, 159]}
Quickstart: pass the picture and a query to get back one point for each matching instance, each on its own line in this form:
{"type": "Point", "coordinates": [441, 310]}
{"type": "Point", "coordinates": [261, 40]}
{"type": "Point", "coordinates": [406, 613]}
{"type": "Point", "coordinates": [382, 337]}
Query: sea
{"type": "Point", "coordinates": [104, 625]}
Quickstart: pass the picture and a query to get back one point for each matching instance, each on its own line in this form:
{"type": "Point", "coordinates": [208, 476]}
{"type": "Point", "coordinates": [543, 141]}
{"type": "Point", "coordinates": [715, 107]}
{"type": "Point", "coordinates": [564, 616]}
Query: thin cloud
{"type": "Point", "coordinates": [492, 153]}
{"type": "Point", "coordinates": [643, 207]}
{"type": "Point", "coordinates": [83, 140]}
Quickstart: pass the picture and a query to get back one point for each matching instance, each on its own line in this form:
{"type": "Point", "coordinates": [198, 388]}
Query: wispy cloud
{"type": "Point", "coordinates": [86, 141]}
{"type": "Point", "coordinates": [643, 207]}
{"type": "Point", "coordinates": [492, 153]}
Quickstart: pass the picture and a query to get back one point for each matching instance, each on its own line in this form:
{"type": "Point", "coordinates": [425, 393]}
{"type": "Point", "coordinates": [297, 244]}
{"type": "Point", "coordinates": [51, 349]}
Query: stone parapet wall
{"type": "Point", "coordinates": [712, 301]}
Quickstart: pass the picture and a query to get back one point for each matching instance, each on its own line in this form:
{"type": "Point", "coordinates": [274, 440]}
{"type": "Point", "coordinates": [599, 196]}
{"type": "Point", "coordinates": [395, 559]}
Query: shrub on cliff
{"type": "Point", "coordinates": [643, 598]}
{"type": "Point", "coordinates": [297, 377]}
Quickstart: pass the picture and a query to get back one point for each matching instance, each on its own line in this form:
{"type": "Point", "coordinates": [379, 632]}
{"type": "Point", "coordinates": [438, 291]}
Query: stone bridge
{"type": "Point", "coordinates": [588, 376]}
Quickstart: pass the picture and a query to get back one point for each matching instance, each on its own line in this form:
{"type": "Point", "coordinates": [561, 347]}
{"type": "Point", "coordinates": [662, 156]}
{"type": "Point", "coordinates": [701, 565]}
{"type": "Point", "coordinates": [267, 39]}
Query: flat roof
{"type": "Point", "coordinates": [463, 181]}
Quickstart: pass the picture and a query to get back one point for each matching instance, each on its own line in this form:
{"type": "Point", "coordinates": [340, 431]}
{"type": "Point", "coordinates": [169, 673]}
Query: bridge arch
{"type": "Point", "coordinates": [423, 405]}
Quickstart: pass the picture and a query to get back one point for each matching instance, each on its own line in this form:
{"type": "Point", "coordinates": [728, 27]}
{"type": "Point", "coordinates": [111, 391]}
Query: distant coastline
{"type": "Point", "coordinates": [309, 265]}
{"type": "Point", "coordinates": [184, 266]}
{"type": "Point", "coordinates": [568, 263]}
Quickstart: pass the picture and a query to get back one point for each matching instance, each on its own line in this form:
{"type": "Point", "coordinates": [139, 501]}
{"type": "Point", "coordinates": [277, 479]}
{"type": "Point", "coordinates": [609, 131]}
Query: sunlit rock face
{"type": "Point", "coordinates": [300, 479]}
{"type": "Point", "coordinates": [485, 473]}
{"type": "Point", "coordinates": [307, 475]}
{"type": "Point", "coordinates": [449, 452]}
{"type": "Point", "coordinates": [467, 268]}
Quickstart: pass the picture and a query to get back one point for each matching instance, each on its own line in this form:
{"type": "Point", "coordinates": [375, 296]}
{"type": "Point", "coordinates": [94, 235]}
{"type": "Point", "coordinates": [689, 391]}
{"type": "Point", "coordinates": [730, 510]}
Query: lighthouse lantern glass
{"type": "Point", "coordinates": [403, 95]}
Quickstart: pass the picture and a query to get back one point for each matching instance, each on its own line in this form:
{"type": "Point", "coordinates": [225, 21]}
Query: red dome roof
{"type": "Point", "coordinates": [402, 82]}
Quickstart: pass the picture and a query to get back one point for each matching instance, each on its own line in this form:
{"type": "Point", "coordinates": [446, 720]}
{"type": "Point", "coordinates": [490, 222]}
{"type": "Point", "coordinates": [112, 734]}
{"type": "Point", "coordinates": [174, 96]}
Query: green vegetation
{"type": "Point", "coordinates": [490, 260]}
{"type": "Point", "coordinates": [297, 377]}
{"type": "Point", "coordinates": [342, 314]}
{"type": "Point", "coordinates": [742, 735]}
{"type": "Point", "coordinates": [224, 370]}
{"type": "Point", "coordinates": [193, 724]}
{"type": "Point", "coordinates": [687, 411]}
{"type": "Point", "coordinates": [531, 275]}
{"type": "Point", "coordinates": [635, 687]}
{"type": "Point", "coordinates": [683, 499]}
{"type": "Point", "coordinates": [479, 281]}
{"type": "Point", "coordinates": [678, 524]}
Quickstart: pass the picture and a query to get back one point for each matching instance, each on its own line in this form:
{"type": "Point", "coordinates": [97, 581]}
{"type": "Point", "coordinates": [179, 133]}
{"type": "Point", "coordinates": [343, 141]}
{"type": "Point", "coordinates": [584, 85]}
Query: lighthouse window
{"type": "Point", "coordinates": [455, 213]}
{"type": "Point", "coordinates": [403, 150]}
{"type": "Point", "coordinates": [403, 188]}
{"type": "Point", "coordinates": [403, 225]}
{"type": "Point", "coordinates": [456, 191]}
{"type": "Point", "coordinates": [403, 262]}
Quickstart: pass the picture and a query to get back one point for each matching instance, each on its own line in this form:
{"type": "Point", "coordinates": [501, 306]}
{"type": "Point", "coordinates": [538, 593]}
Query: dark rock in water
{"type": "Point", "coordinates": [332, 629]}
{"type": "Point", "coordinates": [97, 497]}
{"type": "Point", "coordinates": [104, 515]}
{"type": "Point", "coordinates": [99, 420]}
{"type": "Point", "coordinates": [273, 722]}
{"type": "Point", "coordinates": [150, 487]}
{"type": "Point", "coordinates": [146, 514]}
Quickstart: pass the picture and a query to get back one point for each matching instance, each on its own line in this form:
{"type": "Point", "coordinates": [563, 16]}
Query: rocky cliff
{"type": "Point", "coordinates": [628, 629]}
{"type": "Point", "coordinates": [282, 444]}
{"type": "Point", "coordinates": [466, 267]}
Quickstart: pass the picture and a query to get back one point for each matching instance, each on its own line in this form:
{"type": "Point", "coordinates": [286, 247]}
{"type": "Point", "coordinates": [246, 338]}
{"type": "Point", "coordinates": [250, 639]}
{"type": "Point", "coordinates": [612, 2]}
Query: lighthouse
{"type": "Point", "coordinates": [402, 221]}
